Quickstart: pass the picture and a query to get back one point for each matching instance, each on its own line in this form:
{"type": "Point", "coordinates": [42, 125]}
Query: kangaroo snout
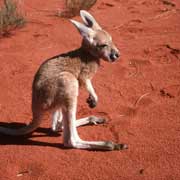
{"type": "Point", "coordinates": [114, 55]}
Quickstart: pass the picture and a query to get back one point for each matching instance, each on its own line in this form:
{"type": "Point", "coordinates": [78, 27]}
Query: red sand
{"type": "Point", "coordinates": [148, 34]}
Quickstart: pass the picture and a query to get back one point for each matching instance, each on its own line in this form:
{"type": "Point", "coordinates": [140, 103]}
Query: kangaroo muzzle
{"type": "Point", "coordinates": [114, 55]}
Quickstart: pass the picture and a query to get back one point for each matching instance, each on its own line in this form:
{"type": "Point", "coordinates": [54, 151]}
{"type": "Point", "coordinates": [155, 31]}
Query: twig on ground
{"type": "Point", "coordinates": [139, 99]}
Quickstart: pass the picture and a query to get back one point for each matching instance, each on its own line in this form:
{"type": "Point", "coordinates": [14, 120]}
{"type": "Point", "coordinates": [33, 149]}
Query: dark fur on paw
{"type": "Point", "coordinates": [91, 101]}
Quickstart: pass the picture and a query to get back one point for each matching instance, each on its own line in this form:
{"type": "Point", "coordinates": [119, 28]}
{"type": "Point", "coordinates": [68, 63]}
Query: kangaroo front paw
{"type": "Point", "coordinates": [91, 101]}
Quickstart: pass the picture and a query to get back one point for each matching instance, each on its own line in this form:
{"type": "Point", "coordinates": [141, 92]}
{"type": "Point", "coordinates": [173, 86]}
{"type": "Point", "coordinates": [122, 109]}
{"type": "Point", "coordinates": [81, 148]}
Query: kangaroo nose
{"type": "Point", "coordinates": [114, 55]}
{"type": "Point", "coordinates": [117, 55]}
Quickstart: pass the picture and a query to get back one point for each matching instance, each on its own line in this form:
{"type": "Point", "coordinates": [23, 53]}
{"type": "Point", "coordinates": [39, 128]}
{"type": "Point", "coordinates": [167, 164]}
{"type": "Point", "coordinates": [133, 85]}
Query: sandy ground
{"type": "Point", "coordinates": [139, 95]}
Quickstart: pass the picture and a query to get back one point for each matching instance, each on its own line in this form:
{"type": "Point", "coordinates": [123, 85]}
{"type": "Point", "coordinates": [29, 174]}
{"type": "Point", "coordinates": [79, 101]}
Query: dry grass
{"type": "Point", "coordinates": [9, 17]}
{"type": "Point", "coordinates": [74, 6]}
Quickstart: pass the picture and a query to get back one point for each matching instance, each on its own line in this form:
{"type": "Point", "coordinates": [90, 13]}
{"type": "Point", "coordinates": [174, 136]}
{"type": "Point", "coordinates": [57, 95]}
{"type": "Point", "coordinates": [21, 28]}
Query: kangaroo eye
{"type": "Point", "coordinates": [101, 46]}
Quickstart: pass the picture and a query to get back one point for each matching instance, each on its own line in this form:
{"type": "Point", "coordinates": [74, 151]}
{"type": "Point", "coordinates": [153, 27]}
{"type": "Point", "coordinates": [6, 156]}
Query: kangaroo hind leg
{"type": "Point", "coordinates": [57, 120]}
{"type": "Point", "coordinates": [91, 120]}
{"type": "Point", "coordinates": [72, 139]}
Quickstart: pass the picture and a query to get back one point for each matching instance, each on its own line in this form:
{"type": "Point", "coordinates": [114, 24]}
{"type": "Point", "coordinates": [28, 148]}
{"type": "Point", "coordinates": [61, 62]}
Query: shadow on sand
{"type": "Point", "coordinates": [27, 139]}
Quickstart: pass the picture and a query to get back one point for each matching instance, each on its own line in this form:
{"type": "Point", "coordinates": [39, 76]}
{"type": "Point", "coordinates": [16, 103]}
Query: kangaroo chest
{"type": "Point", "coordinates": [87, 71]}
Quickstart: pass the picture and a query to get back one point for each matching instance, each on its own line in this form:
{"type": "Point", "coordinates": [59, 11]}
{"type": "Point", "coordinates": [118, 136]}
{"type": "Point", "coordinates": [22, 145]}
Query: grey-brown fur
{"type": "Point", "coordinates": [48, 87]}
{"type": "Point", "coordinates": [56, 86]}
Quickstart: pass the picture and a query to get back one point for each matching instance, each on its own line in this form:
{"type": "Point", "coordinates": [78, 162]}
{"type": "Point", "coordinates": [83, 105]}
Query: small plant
{"type": "Point", "coordinates": [74, 6]}
{"type": "Point", "coordinates": [9, 17]}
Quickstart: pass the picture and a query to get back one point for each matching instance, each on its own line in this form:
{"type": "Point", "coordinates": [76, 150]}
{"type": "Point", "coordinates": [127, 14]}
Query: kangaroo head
{"type": "Point", "coordinates": [96, 40]}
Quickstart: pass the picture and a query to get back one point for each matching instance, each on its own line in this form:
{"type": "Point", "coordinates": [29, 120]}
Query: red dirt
{"type": "Point", "coordinates": [148, 34]}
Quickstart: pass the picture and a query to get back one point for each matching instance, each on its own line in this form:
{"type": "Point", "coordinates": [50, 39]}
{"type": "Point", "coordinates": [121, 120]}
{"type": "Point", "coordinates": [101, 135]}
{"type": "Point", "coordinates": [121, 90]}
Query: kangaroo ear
{"type": "Point", "coordinates": [89, 20]}
{"type": "Point", "coordinates": [86, 32]}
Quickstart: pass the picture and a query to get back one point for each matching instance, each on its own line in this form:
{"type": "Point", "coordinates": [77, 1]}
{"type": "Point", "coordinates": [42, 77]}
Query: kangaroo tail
{"type": "Point", "coordinates": [21, 131]}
